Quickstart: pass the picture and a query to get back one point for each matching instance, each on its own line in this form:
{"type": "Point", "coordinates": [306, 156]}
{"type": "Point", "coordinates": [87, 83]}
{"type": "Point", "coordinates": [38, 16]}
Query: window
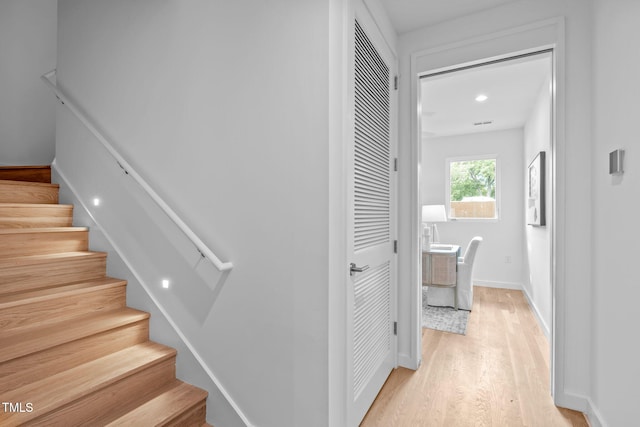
{"type": "Point", "coordinates": [472, 188]}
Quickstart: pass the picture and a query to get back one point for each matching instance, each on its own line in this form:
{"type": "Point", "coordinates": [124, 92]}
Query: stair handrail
{"type": "Point", "coordinates": [200, 246]}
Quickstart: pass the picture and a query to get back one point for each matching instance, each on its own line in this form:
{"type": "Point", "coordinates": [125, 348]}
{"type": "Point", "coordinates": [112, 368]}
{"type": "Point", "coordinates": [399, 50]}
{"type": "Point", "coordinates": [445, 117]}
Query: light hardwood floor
{"type": "Point", "coordinates": [495, 375]}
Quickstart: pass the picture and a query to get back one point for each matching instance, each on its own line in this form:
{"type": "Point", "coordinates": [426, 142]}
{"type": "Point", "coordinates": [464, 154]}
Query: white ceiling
{"type": "Point", "coordinates": [409, 15]}
{"type": "Point", "coordinates": [449, 105]}
{"type": "Point", "coordinates": [448, 100]}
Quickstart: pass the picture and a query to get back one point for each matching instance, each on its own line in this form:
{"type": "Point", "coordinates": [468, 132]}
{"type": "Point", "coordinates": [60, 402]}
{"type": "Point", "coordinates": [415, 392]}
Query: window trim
{"type": "Point", "coordinates": [447, 185]}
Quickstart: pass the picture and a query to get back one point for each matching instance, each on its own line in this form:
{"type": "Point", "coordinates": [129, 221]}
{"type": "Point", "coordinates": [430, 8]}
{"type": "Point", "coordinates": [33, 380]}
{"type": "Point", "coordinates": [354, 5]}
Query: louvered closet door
{"type": "Point", "coordinates": [372, 291]}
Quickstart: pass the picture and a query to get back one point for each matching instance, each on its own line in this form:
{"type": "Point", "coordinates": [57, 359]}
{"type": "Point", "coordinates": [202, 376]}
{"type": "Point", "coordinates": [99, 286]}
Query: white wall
{"type": "Point", "coordinates": [27, 110]}
{"type": "Point", "coordinates": [501, 239]}
{"type": "Point", "coordinates": [537, 266]}
{"type": "Point", "coordinates": [223, 108]}
{"type": "Point", "coordinates": [573, 179]}
{"type": "Point", "coordinates": [615, 368]}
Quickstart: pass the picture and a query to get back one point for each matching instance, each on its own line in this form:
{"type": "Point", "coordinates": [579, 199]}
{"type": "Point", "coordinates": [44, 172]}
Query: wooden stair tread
{"type": "Point", "coordinates": [30, 272]}
{"type": "Point", "coordinates": [35, 215]}
{"type": "Point", "coordinates": [9, 205]}
{"type": "Point", "coordinates": [60, 389]}
{"type": "Point", "coordinates": [26, 173]}
{"type": "Point", "coordinates": [23, 342]}
{"type": "Point", "coordinates": [46, 306]}
{"type": "Point", "coordinates": [24, 370]}
{"type": "Point", "coordinates": [9, 231]}
{"type": "Point", "coordinates": [21, 298]}
{"type": "Point", "coordinates": [33, 241]}
{"type": "Point", "coordinates": [162, 409]}
{"type": "Point", "coordinates": [8, 182]}
{"type": "Point", "coordinates": [47, 258]}
{"type": "Point", "coordinates": [28, 192]}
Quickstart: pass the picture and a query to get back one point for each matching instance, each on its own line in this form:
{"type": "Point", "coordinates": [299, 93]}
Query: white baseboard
{"type": "Point", "coordinates": [571, 401]}
{"type": "Point", "coordinates": [594, 418]}
{"type": "Point", "coordinates": [543, 325]}
{"type": "Point", "coordinates": [405, 361]}
{"type": "Point", "coordinates": [499, 285]}
{"type": "Point", "coordinates": [583, 404]}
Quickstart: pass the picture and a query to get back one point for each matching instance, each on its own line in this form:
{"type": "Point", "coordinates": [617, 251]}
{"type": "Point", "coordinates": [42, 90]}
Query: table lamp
{"type": "Point", "coordinates": [431, 214]}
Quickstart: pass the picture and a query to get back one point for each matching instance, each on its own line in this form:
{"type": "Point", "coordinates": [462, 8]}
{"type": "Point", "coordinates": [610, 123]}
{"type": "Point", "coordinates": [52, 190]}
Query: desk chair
{"type": "Point", "coordinates": [464, 291]}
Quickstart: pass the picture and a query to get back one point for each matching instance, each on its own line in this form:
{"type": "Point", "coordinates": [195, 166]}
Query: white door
{"type": "Point", "coordinates": [371, 341]}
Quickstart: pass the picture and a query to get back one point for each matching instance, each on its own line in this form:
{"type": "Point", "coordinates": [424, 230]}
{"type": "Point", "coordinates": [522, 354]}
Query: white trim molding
{"type": "Point", "coordinates": [534, 37]}
{"type": "Point", "coordinates": [543, 325]}
{"type": "Point", "coordinates": [498, 285]}
{"type": "Point", "coordinates": [594, 417]}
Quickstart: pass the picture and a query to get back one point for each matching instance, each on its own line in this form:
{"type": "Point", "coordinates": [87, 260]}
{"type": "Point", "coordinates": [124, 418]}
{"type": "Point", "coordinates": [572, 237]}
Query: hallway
{"type": "Point", "coordinates": [495, 375]}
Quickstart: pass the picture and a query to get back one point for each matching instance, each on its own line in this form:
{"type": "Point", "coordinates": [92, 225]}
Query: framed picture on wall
{"type": "Point", "coordinates": [536, 191]}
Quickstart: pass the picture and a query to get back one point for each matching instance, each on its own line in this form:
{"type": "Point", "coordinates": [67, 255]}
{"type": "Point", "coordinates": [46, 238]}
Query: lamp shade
{"type": "Point", "coordinates": [434, 213]}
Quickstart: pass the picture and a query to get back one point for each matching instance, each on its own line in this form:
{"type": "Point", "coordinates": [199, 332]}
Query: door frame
{"type": "Point", "coordinates": [538, 36]}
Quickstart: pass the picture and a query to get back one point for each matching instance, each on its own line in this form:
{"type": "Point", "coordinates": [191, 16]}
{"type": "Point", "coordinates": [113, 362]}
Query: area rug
{"type": "Point", "coordinates": [444, 319]}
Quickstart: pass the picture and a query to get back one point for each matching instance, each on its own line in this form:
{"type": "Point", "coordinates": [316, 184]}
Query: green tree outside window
{"type": "Point", "coordinates": [473, 189]}
{"type": "Point", "coordinates": [473, 178]}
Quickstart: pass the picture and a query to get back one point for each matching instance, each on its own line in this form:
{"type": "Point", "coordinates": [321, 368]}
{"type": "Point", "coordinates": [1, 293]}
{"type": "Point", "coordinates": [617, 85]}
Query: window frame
{"type": "Point", "coordinates": [447, 185]}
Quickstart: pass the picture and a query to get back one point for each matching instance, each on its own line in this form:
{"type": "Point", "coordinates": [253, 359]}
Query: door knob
{"type": "Point", "coordinates": [353, 269]}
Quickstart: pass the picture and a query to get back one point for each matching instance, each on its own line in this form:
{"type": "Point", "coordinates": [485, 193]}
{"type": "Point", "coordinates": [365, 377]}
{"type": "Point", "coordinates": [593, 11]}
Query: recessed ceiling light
{"type": "Point", "coordinates": [165, 284]}
{"type": "Point", "coordinates": [482, 97]}
{"type": "Point", "coordinates": [96, 202]}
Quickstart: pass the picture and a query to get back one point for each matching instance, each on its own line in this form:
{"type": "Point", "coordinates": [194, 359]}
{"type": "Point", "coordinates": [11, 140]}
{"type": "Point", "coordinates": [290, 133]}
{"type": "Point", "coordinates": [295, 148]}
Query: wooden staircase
{"type": "Point", "coordinates": [71, 352]}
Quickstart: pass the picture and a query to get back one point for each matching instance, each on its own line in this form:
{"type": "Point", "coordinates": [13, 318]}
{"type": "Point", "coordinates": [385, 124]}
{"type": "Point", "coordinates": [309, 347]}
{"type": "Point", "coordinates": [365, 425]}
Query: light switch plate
{"type": "Point", "coordinates": [615, 162]}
